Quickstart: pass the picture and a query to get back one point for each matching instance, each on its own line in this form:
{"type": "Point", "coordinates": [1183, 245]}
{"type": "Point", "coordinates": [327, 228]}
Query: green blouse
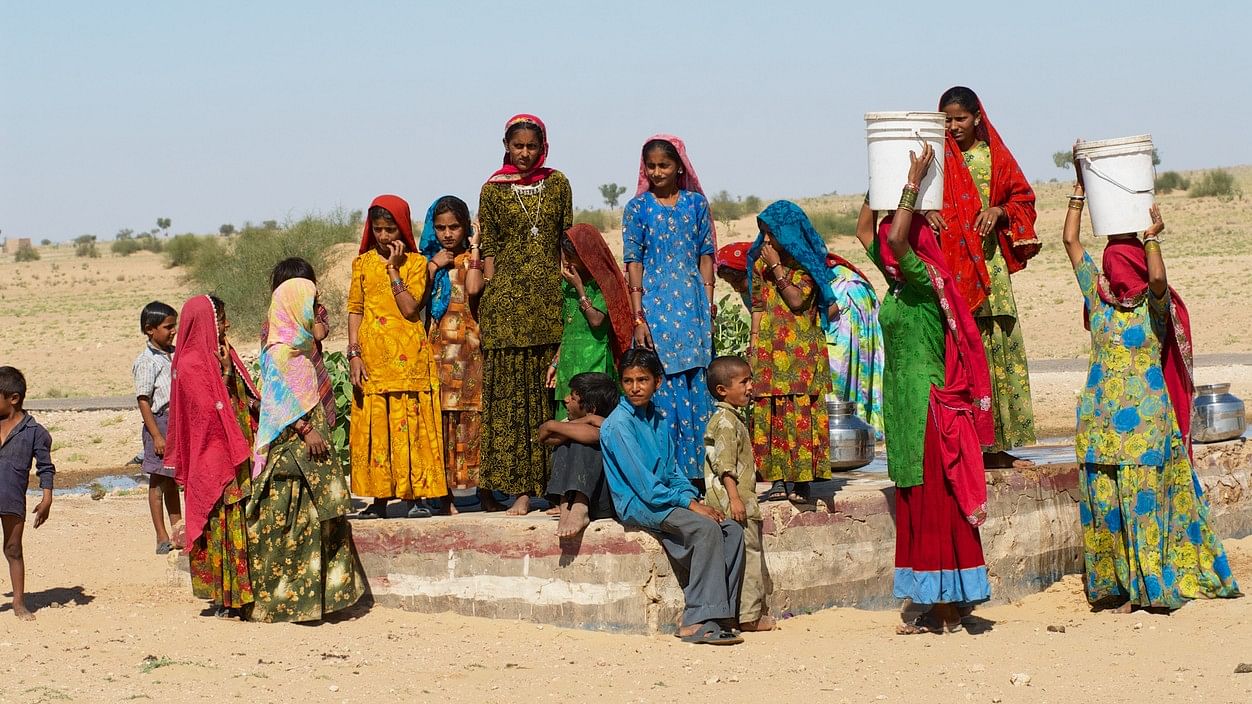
{"type": "Point", "coordinates": [912, 331]}
{"type": "Point", "coordinates": [583, 348]}
{"type": "Point", "coordinates": [521, 305]}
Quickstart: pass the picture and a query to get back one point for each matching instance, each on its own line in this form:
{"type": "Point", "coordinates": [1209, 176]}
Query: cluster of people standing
{"type": "Point", "coordinates": [517, 357]}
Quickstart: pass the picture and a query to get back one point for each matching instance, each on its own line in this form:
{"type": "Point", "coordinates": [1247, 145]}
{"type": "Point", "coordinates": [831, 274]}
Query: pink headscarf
{"type": "Point", "coordinates": [509, 173]}
{"type": "Point", "coordinates": [687, 180]}
{"type": "Point", "coordinates": [960, 413]}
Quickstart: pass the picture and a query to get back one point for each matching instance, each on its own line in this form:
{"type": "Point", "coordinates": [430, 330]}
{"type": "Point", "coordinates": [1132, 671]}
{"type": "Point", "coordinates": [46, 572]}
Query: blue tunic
{"type": "Point", "coordinates": [640, 466]}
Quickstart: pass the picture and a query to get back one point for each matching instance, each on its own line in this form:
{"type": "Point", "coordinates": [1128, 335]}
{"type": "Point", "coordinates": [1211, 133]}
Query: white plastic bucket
{"type": "Point", "coordinates": [1120, 183]}
{"type": "Point", "coordinates": [891, 136]}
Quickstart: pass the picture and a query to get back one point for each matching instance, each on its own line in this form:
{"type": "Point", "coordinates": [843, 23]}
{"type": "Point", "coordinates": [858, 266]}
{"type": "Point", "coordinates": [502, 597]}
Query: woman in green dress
{"type": "Point", "coordinates": [595, 312]}
{"type": "Point", "coordinates": [303, 563]}
{"type": "Point", "coordinates": [522, 210]}
{"type": "Point", "coordinates": [987, 231]}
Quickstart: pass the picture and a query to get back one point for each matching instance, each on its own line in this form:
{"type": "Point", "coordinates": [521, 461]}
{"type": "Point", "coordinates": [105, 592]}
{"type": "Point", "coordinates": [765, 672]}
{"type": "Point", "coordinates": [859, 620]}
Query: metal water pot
{"type": "Point", "coordinates": [851, 439]}
{"type": "Point", "coordinates": [1218, 414]}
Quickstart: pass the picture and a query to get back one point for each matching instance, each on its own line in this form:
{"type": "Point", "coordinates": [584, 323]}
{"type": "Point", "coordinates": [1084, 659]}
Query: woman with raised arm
{"type": "Point", "coordinates": [936, 402]}
{"type": "Point", "coordinates": [1147, 538]}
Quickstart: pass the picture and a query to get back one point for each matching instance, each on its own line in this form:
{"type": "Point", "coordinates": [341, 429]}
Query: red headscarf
{"type": "Point", "coordinates": [509, 173]}
{"type": "Point", "coordinates": [962, 245]}
{"type": "Point", "coordinates": [733, 256]}
{"type": "Point", "coordinates": [959, 419]}
{"type": "Point", "coordinates": [204, 444]}
{"type": "Point", "coordinates": [1123, 283]}
{"type": "Point", "coordinates": [833, 260]}
{"type": "Point", "coordinates": [598, 258]}
{"type": "Point", "coordinates": [399, 209]}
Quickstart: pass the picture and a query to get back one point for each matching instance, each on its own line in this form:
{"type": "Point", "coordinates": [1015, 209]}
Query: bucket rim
{"type": "Point", "coordinates": [904, 115]}
{"type": "Point", "coordinates": [1098, 144]}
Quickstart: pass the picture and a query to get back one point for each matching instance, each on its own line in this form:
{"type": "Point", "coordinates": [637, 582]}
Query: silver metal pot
{"type": "Point", "coordinates": [851, 439]}
{"type": "Point", "coordinates": [1218, 414]}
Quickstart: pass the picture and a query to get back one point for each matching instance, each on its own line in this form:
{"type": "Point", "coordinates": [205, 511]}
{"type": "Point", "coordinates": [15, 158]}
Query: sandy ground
{"type": "Point", "coordinates": [112, 626]}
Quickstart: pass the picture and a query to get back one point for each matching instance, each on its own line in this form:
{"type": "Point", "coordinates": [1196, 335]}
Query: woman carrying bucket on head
{"type": "Point", "coordinates": [987, 231]}
{"type": "Point", "coordinates": [1147, 538]}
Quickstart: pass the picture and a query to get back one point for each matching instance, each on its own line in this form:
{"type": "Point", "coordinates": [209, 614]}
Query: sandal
{"type": "Point", "coordinates": [802, 499]}
{"type": "Point", "coordinates": [712, 633]}
{"type": "Point", "coordinates": [419, 511]}
{"type": "Point", "coordinates": [164, 547]}
{"type": "Point", "coordinates": [370, 512]}
{"type": "Point", "coordinates": [777, 491]}
{"type": "Point", "coordinates": [920, 625]}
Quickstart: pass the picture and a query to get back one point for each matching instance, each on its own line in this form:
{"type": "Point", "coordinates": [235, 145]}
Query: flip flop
{"type": "Point", "coordinates": [777, 491]}
{"type": "Point", "coordinates": [921, 625]}
{"type": "Point", "coordinates": [712, 633]}
{"type": "Point", "coordinates": [164, 547]}
{"type": "Point", "coordinates": [419, 511]}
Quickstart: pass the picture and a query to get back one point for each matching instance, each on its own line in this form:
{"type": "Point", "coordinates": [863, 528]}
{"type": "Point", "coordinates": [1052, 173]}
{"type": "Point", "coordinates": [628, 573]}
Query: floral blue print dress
{"type": "Point", "coordinates": [1145, 523]}
{"type": "Point", "coordinates": [668, 242]}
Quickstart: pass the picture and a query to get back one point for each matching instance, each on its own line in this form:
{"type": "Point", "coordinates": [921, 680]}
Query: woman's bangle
{"type": "Point", "coordinates": [639, 320]}
{"type": "Point", "coordinates": [302, 428]}
{"type": "Point", "coordinates": [1076, 197]}
{"type": "Point", "coordinates": [1075, 205]}
{"type": "Point", "coordinates": [912, 187]}
{"type": "Point", "coordinates": [398, 287]}
{"type": "Point", "coordinates": [354, 350]}
{"type": "Point", "coordinates": [908, 199]}
{"type": "Point", "coordinates": [476, 264]}
{"type": "Point", "coordinates": [634, 289]}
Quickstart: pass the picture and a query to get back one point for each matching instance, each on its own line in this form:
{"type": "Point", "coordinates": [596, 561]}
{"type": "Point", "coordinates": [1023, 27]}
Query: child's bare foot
{"type": "Point", "coordinates": [574, 520]}
{"type": "Point", "coordinates": [764, 623]}
{"type": "Point", "coordinates": [521, 506]}
{"type": "Point", "coordinates": [554, 511]}
{"type": "Point", "coordinates": [448, 507]}
{"type": "Point", "coordinates": [21, 612]}
{"type": "Point", "coordinates": [1004, 460]}
{"type": "Point", "coordinates": [1124, 608]}
{"type": "Point", "coordinates": [487, 500]}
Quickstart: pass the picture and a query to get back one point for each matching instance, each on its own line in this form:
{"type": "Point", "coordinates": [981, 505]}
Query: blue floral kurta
{"type": "Point", "coordinates": [1147, 538]}
{"type": "Point", "coordinates": [668, 242]}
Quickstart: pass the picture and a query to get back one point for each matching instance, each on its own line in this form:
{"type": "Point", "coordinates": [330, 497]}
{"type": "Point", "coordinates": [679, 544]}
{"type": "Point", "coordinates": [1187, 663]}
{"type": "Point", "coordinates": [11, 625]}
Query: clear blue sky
{"type": "Point", "coordinates": [115, 113]}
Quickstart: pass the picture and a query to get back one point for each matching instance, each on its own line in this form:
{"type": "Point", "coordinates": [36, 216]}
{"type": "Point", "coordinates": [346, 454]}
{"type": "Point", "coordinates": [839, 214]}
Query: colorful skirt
{"type": "Point", "coordinates": [939, 558]}
{"type": "Point", "coordinates": [791, 438]}
{"type": "Point", "coordinates": [218, 559]}
{"type": "Point", "coordinates": [1147, 536]}
{"type": "Point", "coordinates": [462, 433]}
{"type": "Point", "coordinates": [685, 401]}
{"type": "Point", "coordinates": [397, 446]}
{"type": "Point", "coordinates": [1010, 382]}
{"type": "Point", "coordinates": [515, 403]}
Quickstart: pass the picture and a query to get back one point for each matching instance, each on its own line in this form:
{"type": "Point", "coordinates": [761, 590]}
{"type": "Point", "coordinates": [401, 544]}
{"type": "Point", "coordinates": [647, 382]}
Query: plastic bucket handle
{"type": "Point", "coordinates": [1136, 191]}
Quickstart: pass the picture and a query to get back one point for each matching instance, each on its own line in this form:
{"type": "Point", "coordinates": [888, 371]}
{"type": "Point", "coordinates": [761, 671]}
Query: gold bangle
{"type": "Point", "coordinates": [1076, 206]}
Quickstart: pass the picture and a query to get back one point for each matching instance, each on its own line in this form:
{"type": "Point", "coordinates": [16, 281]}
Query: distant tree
{"type": "Point", "coordinates": [751, 204]}
{"type": "Point", "coordinates": [124, 234]}
{"type": "Point", "coordinates": [84, 239]}
{"type": "Point", "coordinates": [164, 224]}
{"type": "Point", "coordinates": [226, 230]}
{"type": "Point", "coordinates": [26, 253]}
{"type": "Point", "coordinates": [269, 225]}
{"type": "Point", "coordinates": [1156, 157]}
{"type": "Point", "coordinates": [45, 242]}
{"type": "Point", "coordinates": [610, 192]}
{"type": "Point", "coordinates": [1063, 160]}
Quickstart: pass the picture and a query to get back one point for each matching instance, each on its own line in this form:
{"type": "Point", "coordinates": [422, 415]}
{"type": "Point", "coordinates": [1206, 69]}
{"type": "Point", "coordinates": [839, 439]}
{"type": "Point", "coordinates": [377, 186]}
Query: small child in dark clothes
{"type": "Point", "coordinates": [22, 440]}
{"type": "Point", "coordinates": [577, 483]}
{"type": "Point", "coordinates": [152, 392]}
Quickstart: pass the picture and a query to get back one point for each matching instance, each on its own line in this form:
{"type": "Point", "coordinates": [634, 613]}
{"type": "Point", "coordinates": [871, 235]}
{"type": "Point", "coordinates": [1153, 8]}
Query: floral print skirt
{"type": "Point", "coordinates": [219, 557]}
{"type": "Point", "coordinates": [685, 400]}
{"type": "Point", "coordinates": [515, 403]}
{"type": "Point", "coordinates": [397, 446]}
{"type": "Point", "coordinates": [462, 455]}
{"type": "Point", "coordinates": [1010, 381]}
{"type": "Point", "coordinates": [1147, 537]}
{"type": "Point", "coordinates": [791, 438]}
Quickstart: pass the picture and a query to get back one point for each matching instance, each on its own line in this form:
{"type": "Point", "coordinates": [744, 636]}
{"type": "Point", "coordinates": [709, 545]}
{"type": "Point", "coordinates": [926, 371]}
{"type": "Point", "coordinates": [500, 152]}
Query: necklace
{"type": "Point", "coordinates": [534, 220]}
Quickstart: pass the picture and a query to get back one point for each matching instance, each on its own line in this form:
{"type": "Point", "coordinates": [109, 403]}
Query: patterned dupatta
{"type": "Point", "coordinates": [1123, 283]}
{"type": "Point", "coordinates": [687, 180]}
{"type": "Point", "coordinates": [598, 258]}
{"type": "Point", "coordinates": [793, 232]}
{"type": "Point", "coordinates": [962, 244]}
{"type": "Point", "coordinates": [204, 443]}
{"type": "Point", "coordinates": [441, 283]}
{"type": "Point", "coordinates": [510, 173]}
{"type": "Point", "coordinates": [960, 421]}
{"type": "Point", "coordinates": [288, 380]}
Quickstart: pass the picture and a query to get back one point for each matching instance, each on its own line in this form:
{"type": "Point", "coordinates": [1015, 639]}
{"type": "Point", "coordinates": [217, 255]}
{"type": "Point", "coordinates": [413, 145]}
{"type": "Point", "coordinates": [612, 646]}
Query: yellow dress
{"type": "Point", "coordinates": [397, 435]}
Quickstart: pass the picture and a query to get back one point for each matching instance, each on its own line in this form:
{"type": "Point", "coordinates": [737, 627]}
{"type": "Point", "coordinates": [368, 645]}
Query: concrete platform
{"type": "Point", "coordinates": [618, 579]}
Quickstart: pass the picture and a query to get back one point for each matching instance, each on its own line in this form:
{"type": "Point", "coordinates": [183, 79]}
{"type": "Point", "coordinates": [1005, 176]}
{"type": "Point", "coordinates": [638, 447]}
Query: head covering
{"type": "Point", "coordinates": [960, 412]}
{"type": "Point", "coordinates": [441, 284]}
{"type": "Point", "coordinates": [962, 245]}
{"type": "Point", "coordinates": [687, 180]}
{"type": "Point", "coordinates": [733, 256]}
{"type": "Point", "coordinates": [204, 442]}
{"type": "Point", "coordinates": [598, 258]}
{"type": "Point", "coordinates": [399, 209]}
{"type": "Point", "coordinates": [794, 233]}
{"type": "Point", "coordinates": [1123, 282]}
{"type": "Point", "coordinates": [288, 379]}
{"type": "Point", "coordinates": [510, 173]}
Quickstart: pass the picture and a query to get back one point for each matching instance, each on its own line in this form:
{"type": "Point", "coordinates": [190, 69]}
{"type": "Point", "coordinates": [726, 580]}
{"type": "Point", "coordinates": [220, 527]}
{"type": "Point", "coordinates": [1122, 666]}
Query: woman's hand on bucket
{"type": "Point", "coordinates": [1082, 187]}
{"type": "Point", "coordinates": [920, 164]}
{"type": "Point", "coordinates": [1158, 224]}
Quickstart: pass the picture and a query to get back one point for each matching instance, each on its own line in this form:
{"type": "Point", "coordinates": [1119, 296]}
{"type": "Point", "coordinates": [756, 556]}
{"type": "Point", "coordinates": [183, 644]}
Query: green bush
{"type": "Point", "coordinates": [1172, 181]}
{"type": "Point", "coordinates": [833, 224]}
{"type": "Point", "coordinates": [45, 242]}
{"type": "Point", "coordinates": [26, 253]}
{"type": "Point", "coordinates": [181, 250]}
{"type": "Point", "coordinates": [602, 220]}
{"type": "Point", "coordinates": [125, 247]}
{"type": "Point", "coordinates": [239, 271]}
{"type": "Point", "coordinates": [150, 243]}
{"type": "Point", "coordinates": [1216, 183]}
{"type": "Point", "coordinates": [732, 327]}
{"type": "Point", "coordinates": [724, 207]}
{"type": "Point", "coordinates": [86, 249]}
{"type": "Point", "coordinates": [341, 382]}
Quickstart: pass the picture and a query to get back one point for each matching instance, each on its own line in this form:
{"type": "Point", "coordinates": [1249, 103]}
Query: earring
{"type": "Point", "coordinates": [681, 172]}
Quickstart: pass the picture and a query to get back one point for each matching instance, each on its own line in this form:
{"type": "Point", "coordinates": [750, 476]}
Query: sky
{"type": "Point", "coordinates": [115, 114]}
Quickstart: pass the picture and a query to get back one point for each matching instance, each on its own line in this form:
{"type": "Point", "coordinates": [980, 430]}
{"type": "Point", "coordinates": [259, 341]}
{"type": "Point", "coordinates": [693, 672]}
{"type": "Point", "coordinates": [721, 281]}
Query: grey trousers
{"type": "Point", "coordinates": [707, 558]}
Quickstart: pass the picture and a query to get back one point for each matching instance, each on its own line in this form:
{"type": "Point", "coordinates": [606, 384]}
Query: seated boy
{"type": "Point", "coordinates": [730, 477]}
{"type": "Point", "coordinates": [22, 440]}
{"type": "Point", "coordinates": [577, 484]}
{"type": "Point", "coordinates": [651, 492]}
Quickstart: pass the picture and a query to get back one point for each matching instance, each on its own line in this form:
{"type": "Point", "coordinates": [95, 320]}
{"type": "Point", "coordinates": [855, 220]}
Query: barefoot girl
{"type": "Point", "coordinates": [790, 284]}
{"type": "Point", "coordinates": [397, 431]}
{"type": "Point", "coordinates": [151, 371]}
{"type": "Point", "coordinates": [456, 275]}
{"type": "Point", "coordinates": [987, 231]}
{"type": "Point", "coordinates": [936, 403]}
{"type": "Point", "coordinates": [668, 247]}
{"type": "Point", "coordinates": [596, 311]}
{"type": "Point", "coordinates": [209, 446]}
{"type": "Point", "coordinates": [522, 211]}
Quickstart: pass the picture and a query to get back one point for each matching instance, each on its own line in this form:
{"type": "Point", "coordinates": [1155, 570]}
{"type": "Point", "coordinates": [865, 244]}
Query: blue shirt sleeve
{"type": "Point", "coordinates": [704, 223]}
{"type": "Point", "coordinates": [640, 494]}
{"type": "Point", "coordinates": [632, 231]}
{"type": "Point", "coordinates": [44, 468]}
